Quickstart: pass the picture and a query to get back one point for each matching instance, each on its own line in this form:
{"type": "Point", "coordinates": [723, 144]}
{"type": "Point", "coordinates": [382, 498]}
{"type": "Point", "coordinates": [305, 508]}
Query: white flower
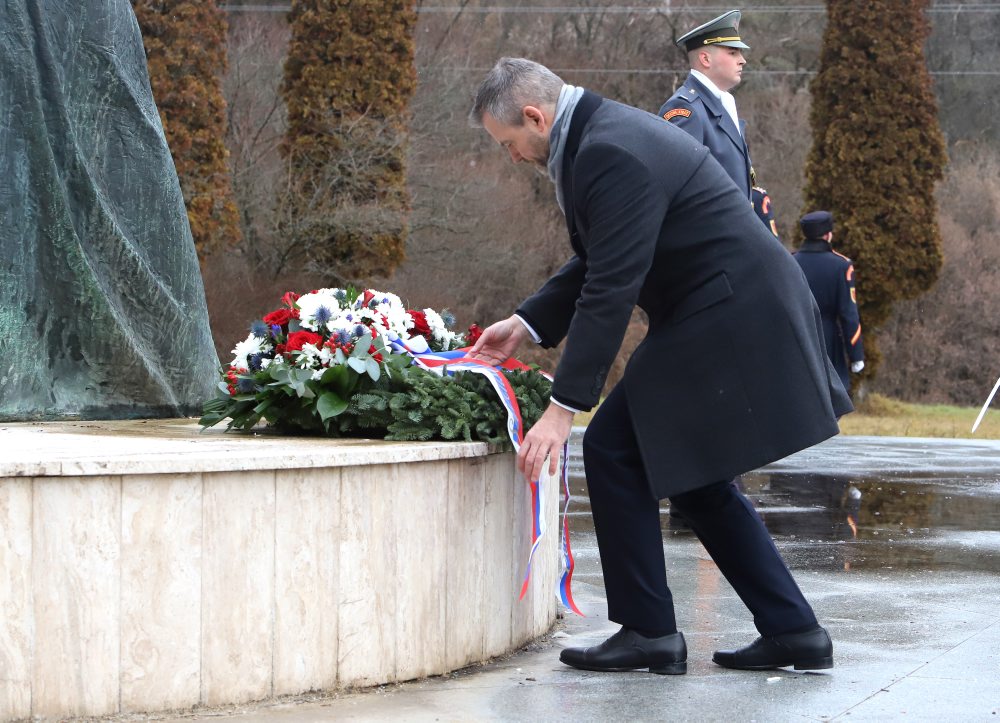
{"type": "Point", "coordinates": [246, 349]}
{"type": "Point", "coordinates": [442, 335]}
{"type": "Point", "coordinates": [308, 357]}
{"type": "Point", "coordinates": [323, 303]}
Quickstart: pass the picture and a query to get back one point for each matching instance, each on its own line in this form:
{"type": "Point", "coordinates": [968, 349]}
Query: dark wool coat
{"type": "Point", "coordinates": [733, 373]}
{"type": "Point", "coordinates": [694, 108]}
{"type": "Point", "coordinates": [831, 278]}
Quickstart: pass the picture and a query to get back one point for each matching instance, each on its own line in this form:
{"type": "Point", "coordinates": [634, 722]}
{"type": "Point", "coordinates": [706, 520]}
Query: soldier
{"type": "Point", "coordinates": [764, 209]}
{"type": "Point", "coordinates": [703, 106]}
{"type": "Point", "coordinates": [831, 278]}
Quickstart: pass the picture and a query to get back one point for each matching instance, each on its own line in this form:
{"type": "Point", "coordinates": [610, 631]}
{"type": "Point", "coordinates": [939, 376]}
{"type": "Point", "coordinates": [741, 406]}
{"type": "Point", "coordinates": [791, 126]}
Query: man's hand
{"type": "Point", "coordinates": [545, 439]}
{"type": "Point", "coordinates": [499, 342]}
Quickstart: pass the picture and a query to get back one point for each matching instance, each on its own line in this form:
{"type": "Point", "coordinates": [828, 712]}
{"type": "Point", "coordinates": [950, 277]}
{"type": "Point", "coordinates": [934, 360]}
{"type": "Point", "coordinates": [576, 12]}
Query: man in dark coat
{"type": "Point", "coordinates": [831, 278]}
{"type": "Point", "coordinates": [732, 374]}
{"type": "Point", "coordinates": [703, 106]}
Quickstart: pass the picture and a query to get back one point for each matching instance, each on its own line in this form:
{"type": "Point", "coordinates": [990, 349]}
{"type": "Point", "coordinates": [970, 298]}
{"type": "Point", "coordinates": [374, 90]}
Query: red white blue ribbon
{"type": "Point", "coordinates": [449, 362]}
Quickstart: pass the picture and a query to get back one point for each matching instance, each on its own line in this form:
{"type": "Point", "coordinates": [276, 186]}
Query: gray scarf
{"type": "Point", "coordinates": [569, 96]}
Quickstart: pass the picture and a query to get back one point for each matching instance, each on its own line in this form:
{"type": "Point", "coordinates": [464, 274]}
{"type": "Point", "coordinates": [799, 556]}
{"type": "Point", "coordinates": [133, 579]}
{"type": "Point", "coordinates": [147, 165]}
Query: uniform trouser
{"type": "Point", "coordinates": [627, 521]}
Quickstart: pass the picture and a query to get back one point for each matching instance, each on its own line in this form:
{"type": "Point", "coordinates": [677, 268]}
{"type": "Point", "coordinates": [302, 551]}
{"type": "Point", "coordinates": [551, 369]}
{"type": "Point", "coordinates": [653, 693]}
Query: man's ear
{"type": "Point", "coordinates": [533, 117]}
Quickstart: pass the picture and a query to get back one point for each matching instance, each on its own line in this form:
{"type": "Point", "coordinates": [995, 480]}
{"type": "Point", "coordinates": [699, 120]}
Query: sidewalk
{"type": "Point", "coordinates": [895, 542]}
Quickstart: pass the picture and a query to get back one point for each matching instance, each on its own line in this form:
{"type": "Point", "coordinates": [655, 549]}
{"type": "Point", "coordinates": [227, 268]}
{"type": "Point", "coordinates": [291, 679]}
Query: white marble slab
{"type": "Point", "coordinates": [161, 592]}
{"type": "Point", "coordinates": [17, 619]}
{"type": "Point", "coordinates": [307, 553]}
{"type": "Point", "coordinates": [179, 446]}
{"type": "Point", "coordinates": [420, 511]}
{"type": "Point", "coordinates": [466, 524]}
{"type": "Point", "coordinates": [367, 605]}
{"type": "Point", "coordinates": [75, 568]}
{"type": "Point", "coordinates": [145, 592]}
{"type": "Point", "coordinates": [501, 584]}
{"type": "Point", "coordinates": [237, 628]}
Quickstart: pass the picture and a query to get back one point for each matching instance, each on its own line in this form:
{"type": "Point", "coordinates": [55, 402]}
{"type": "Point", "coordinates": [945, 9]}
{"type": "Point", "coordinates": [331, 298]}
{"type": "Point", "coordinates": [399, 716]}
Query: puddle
{"type": "Point", "coordinates": [929, 521]}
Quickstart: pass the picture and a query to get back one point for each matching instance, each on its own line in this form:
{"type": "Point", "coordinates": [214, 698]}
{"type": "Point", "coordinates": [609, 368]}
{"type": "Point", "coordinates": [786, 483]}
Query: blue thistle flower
{"type": "Point", "coordinates": [253, 362]}
{"type": "Point", "coordinates": [448, 318]}
{"type": "Point", "coordinates": [359, 330]}
{"type": "Point", "coordinates": [342, 337]}
{"type": "Point", "coordinates": [259, 329]}
{"type": "Point", "coordinates": [246, 386]}
{"type": "Point", "coordinates": [322, 315]}
{"type": "Point", "coordinates": [340, 295]}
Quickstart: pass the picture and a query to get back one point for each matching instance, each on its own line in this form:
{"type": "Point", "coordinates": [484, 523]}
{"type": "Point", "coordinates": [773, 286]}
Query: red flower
{"type": "Point", "coordinates": [472, 336]}
{"type": "Point", "coordinates": [368, 296]}
{"type": "Point", "coordinates": [420, 326]}
{"type": "Point", "coordinates": [297, 339]}
{"type": "Point", "coordinates": [289, 299]}
{"type": "Point", "coordinates": [377, 357]}
{"type": "Point", "coordinates": [280, 317]}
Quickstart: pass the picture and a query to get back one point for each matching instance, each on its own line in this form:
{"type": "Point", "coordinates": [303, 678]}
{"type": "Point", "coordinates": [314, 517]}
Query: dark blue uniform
{"type": "Point", "coordinates": [763, 207]}
{"type": "Point", "coordinates": [831, 278]}
{"type": "Point", "coordinates": [694, 108]}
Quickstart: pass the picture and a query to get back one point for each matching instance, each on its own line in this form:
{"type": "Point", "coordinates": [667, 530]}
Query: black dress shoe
{"type": "Point", "coordinates": [628, 650]}
{"type": "Point", "coordinates": [811, 650]}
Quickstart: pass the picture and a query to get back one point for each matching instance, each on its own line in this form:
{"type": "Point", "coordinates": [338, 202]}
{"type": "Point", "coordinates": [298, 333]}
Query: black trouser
{"type": "Point", "coordinates": [627, 521]}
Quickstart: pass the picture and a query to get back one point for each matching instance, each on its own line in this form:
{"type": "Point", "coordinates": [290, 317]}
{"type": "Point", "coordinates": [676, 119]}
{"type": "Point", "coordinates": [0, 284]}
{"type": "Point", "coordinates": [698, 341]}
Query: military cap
{"type": "Point", "coordinates": [816, 224]}
{"type": "Point", "coordinates": [724, 30]}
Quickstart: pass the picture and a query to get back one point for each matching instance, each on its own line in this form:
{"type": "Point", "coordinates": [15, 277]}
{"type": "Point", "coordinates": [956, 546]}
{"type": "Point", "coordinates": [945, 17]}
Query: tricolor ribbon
{"type": "Point", "coordinates": [449, 362]}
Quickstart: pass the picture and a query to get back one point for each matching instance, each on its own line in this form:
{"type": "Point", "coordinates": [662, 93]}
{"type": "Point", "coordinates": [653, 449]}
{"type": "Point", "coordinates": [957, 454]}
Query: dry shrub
{"type": "Point", "coordinates": [942, 347]}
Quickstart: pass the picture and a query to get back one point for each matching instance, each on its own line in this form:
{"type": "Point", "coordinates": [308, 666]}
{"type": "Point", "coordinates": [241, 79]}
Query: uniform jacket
{"type": "Point", "coordinates": [732, 373]}
{"type": "Point", "coordinates": [831, 278]}
{"type": "Point", "coordinates": [694, 108]}
{"type": "Point", "coordinates": [764, 209]}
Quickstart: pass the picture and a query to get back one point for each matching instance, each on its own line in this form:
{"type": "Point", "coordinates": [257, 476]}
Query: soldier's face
{"type": "Point", "coordinates": [725, 66]}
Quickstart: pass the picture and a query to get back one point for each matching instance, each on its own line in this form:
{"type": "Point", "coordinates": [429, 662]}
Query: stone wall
{"type": "Point", "coordinates": [146, 567]}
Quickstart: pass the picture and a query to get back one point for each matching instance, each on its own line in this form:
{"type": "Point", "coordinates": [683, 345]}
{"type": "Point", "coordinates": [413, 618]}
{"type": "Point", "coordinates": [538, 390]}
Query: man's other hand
{"type": "Point", "coordinates": [545, 439]}
{"type": "Point", "coordinates": [857, 366]}
{"type": "Point", "coordinates": [499, 342]}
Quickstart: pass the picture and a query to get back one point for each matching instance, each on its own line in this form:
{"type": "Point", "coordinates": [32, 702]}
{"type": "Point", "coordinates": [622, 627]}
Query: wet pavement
{"type": "Point", "coordinates": [895, 542]}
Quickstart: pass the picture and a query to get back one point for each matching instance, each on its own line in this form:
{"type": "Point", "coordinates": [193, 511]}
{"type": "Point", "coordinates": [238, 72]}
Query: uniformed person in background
{"type": "Point", "coordinates": [764, 209]}
{"type": "Point", "coordinates": [831, 278]}
{"type": "Point", "coordinates": [703, 106]}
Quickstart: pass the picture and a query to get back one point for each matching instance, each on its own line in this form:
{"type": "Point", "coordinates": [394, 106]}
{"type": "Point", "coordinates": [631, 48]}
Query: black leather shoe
{"type": "Point", "coordinates": [811, 650]}
{"type": "Point", "coordinates": [628, 650]}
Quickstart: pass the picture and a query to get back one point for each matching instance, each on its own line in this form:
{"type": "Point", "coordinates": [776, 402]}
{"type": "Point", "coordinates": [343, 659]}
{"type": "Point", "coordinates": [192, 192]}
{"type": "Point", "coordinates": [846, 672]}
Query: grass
{"type": "Point", "coordinates": [884, 417]}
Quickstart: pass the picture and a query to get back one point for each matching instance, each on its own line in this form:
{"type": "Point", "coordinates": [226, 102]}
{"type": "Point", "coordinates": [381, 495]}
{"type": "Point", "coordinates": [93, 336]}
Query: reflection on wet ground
{"type": "Point", "coordinates": [931, 507]}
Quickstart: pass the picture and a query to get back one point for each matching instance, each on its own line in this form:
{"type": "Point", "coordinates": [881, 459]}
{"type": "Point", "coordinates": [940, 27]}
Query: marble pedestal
{"type": "Point", "coordinates": [146, 566]}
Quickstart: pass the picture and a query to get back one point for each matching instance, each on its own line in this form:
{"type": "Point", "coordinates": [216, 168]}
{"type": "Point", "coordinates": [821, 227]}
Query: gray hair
{"type": "Point", "coordinates": [512, 84]}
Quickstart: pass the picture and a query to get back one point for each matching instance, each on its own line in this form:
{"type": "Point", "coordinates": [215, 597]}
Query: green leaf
{"type": "Point", "coordinates": [330, 405]}
{"type": "Point", "coordinates": [361, 345]}
{"type": "Point", "coordinates": [373, 369]}
{"type": "Point", "coordinates": [357, 365]}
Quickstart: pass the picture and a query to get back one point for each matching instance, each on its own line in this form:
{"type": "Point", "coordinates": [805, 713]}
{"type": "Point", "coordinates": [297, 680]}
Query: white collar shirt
{"type": "Point", "coordinates": [727, 99]}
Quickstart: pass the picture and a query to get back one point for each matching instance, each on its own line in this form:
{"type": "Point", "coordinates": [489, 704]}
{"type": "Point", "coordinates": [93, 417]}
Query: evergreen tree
{"type": "Point", "coordinates": [877, 152]}
{"type": "Point", "coordinates": [185, 44]}
{"type": "Point", "coordinates": [348, 80]}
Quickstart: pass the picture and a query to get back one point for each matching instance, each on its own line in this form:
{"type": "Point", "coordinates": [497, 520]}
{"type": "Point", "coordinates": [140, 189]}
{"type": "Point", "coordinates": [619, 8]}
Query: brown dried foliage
{"type": "Point", "coordinates": [877, 153]}
{"type": "Point", "coordinates": [185, 43]}
{"type": "Point", "coordinates": [348, 80]}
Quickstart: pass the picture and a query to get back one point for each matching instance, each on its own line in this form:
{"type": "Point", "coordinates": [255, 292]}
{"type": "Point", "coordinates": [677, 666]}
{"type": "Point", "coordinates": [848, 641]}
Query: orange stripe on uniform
{"type": "Point", "coordinates": [682, 112]}
{"type": "Point", "coordinates": [857, 335]}
{"type": "Point", "coordinates": [850, 272]}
